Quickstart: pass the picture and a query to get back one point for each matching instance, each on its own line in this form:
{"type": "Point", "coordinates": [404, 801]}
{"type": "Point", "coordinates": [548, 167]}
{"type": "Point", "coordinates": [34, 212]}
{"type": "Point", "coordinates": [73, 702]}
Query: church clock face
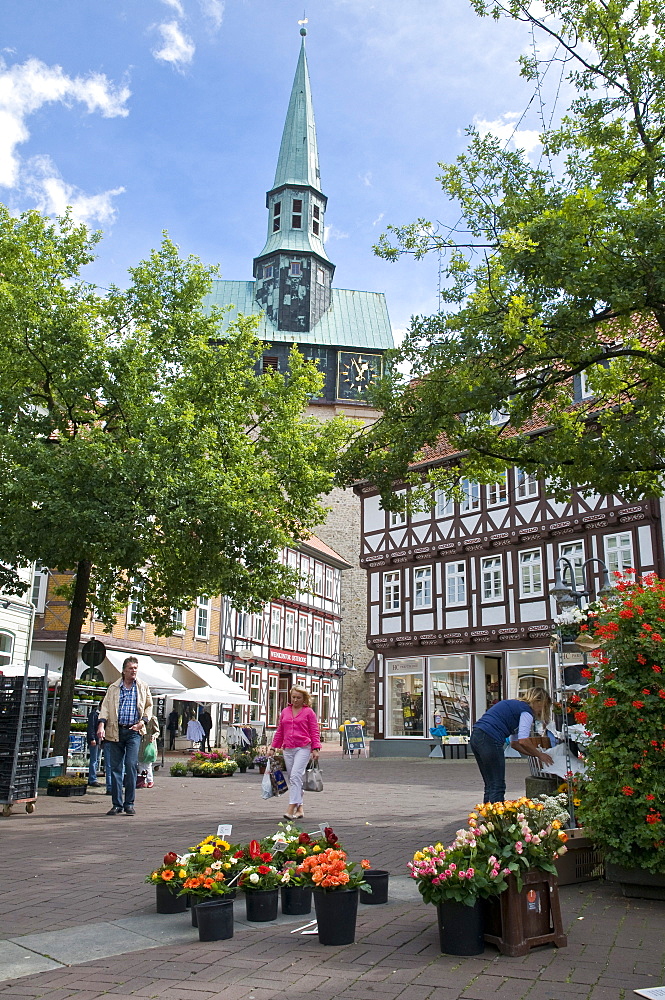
{"type": "Point", "coordinates": [355, 371]}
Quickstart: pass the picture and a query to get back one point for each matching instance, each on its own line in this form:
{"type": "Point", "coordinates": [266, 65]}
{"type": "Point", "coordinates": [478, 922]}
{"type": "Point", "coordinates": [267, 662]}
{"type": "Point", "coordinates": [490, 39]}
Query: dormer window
{"type": "Point", "coordinates": [277, 216]}
{"type": "Point", "coordinates": [267, 271]}
{"type": "Point", "coordinates": [296, 218]}
{"type": "Point", "coordinates": [316, 211]}
{"type": "Point", "coordinates": [295, 270]}
{"type": "Point", "coordinates": [320, 275]}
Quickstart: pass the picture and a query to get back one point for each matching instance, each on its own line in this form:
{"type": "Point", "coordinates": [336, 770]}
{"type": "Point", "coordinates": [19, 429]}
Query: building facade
{"type": "Point", "coordinates": [458, 598]}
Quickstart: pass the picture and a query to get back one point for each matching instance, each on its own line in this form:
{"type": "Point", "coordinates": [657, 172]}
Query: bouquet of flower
{"type": "Point", "coordinates": [261, 876]}
{"type": "Point", "coordinates": [212, 769]}
{"type": "Point", "coordinates": [216, 757]}
{"type": "Point", "coordinates": [172, 872]}
{"type": "Point", "coordinates": [465, 871]}
{"type": "Point", "coordinates": [519, 836]}
{"type": "Point", "coordinates": [291, 843]}
{"type": "Point", "coordinates": [331, 870]}
{"type": "Point", "coordinates": [210, 882]}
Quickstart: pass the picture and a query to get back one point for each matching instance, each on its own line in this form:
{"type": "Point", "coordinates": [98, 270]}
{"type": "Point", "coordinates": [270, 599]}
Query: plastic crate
{"type": "Point", "coordinates": [581, 862]}
{"type": "Point", "coordinates": [50, 771]}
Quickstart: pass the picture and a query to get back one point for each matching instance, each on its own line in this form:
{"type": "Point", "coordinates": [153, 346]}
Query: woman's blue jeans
{"type": "Point", "coordinates": [492, 763]}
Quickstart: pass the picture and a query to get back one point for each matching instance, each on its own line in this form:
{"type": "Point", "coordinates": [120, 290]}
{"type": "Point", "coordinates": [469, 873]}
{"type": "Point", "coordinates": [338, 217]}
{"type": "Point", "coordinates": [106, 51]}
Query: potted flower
{"type": "Point", "coordinates": [290, 846]}
{"type": "Point", "coordinates": [179, 769]}
{"type": "Point", "coordinates": [66, 785]}
{"type": "Point", "coordinates": [335, 883]}
{"type": "Point", "coordinates": [209, 769]}
{"type": "Point", "coordinates": [261, 761]}
{"type": "Point", "coordinates": [622, 801]}
{"type": "Point", "coordinates": [168, 880]}
{"type": "Point", "coordinates": [260, 880]}
{"type": "Point", "coordinates": [242, 759]}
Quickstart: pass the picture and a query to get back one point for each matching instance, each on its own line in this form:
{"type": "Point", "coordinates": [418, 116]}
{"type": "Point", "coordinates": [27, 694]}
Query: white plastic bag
{"type": "Point", "coordinates": [267, 790]}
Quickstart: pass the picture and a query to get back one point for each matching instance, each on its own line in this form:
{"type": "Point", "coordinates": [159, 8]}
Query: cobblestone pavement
{"type": "Point", "coordinates": [70, 869]}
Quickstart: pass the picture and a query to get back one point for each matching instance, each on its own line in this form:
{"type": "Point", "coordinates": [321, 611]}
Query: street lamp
{"type": "Point", "coordinates": [344, 665]}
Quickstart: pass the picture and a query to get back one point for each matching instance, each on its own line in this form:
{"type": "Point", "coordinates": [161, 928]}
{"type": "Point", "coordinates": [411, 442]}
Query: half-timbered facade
{"type": "Point", "coordinates": [458, 595]}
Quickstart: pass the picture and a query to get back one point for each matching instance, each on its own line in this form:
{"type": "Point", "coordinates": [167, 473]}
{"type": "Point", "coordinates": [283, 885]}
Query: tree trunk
{"type": "Point", "coordinates": [74, 629]}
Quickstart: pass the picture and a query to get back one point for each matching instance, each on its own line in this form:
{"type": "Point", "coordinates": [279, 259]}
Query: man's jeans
{"type": "Point", "coordinates": [92, 766]}
{"type": "Point", "coordinates": [492, 763]}
{"type": "Point", "coordinates": [124, 754]}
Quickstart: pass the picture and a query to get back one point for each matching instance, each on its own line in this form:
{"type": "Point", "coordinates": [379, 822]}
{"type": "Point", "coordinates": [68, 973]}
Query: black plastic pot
{"type": "Point", "coordinates": [167, 901]}
{"type": "Point", "coordinates": [215, 919]}
{"type": "Point", "coordinates": [377, 879]}
{"type": "Point", "coordinates": [461, 928]}
{"type": "Point", "coordinates": [296, 900]}
{"type": "Point", "coordinates": [261, 904]}
{"type": "Point", "coordinates": [336, 912]}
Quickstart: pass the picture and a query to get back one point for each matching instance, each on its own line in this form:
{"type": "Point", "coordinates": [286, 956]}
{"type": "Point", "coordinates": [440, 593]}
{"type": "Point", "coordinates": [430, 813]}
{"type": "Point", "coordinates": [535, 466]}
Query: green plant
{"type": "Point", "coordinates": [622, 801]}
{"type": "Point", "coordinates": [214, 770]}
{"type": "Point", "coordinates": [242, 758]}
{"type": "Point", "coordinates": [66, 781]}
{"type": "Point", "coordinates": [178, 770]}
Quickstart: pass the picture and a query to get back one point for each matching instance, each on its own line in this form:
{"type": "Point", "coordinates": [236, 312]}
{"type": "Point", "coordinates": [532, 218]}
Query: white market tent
{"type": "Point", "coordinates": [154, 674]}
{"type": "Point", "coordinates": [217, 689]}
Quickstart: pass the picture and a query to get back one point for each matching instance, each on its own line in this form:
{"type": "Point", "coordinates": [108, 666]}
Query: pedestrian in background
{"type": "Point", "coordinates": [172, 726]}
{"type": "Point", "coordinates": [513, 717]}
{"type": "Point", "coordinates": [94, 747]}
{"type": "Point", "coordinates": [126, 709]}
{"type": "Point", "coordinates": [298, 736]}
{"type": "Point", "coordinates": [206, 722]}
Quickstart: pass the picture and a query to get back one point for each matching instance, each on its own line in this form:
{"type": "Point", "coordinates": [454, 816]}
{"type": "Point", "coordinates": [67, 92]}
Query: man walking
{"type": "Point", "coordinates": [206, 722]}
{"type": "Point", "coordinates": [125, 710]}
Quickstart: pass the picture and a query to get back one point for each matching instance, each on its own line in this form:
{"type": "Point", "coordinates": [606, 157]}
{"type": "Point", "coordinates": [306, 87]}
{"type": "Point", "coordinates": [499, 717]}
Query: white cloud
{"type": "Point", "coordinates": [26, 87]}
{"type": "Point", "coordinates": [52, 195]}
{"type": "Point", "coordinates": [177, 48]}
{"type": "Point", "coordinates": [504, 129]}
{"type": "Point", "coordinates": [330, 233]}
{"type": "Point", "coordinates": [213, 11]}
{"type": "Point", "coordinates": [378, 218]}
{"type": "Point", "coordinates": [366, 178]}
{"type": "Point", "coordinates": [176, 6]}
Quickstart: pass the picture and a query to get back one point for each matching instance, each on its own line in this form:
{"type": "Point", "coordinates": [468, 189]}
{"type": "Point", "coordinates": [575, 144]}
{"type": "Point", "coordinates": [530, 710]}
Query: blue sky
{"type": "Point", "coordinates": [148, 115]}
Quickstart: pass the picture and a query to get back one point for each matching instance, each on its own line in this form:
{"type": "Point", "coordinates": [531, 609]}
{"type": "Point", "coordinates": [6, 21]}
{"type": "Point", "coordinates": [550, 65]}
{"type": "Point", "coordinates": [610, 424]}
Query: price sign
{"type": "Point", "coordinates": [354, 736]}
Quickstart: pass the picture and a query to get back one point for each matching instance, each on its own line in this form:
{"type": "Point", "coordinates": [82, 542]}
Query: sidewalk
{"type": "Point", "coordinates": [76, 916]}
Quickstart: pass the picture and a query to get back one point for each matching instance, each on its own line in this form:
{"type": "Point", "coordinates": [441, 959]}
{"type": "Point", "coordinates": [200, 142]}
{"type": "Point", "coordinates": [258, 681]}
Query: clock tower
{"type": "Point", "coordinates": [346, 333]}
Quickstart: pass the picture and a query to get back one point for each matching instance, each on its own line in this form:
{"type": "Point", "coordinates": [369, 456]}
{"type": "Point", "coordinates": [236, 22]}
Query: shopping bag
{"type": "Point", "coordinates": [150, 753]}
{"type": "Point", "coordinates": [267, 791]}
{"type": "Point", "coordinates": [278, 782]}
{"type": "Point", "coordinates": [312, 782]}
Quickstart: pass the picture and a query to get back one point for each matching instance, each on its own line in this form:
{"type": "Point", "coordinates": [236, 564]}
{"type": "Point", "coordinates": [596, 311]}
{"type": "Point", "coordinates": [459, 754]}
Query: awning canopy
{"type": "Point", "coordinates": [18, 670]}
{"type": "Point", "coordinates": [215, 679]}
{"type": "Point", "coordinates": [213, 696]}
{"type": "Point", "coordinates": [154, 674]}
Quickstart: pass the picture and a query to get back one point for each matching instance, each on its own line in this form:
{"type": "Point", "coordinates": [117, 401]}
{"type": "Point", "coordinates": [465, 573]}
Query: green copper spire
{"type": "Point", "coordinates": [298, 161]}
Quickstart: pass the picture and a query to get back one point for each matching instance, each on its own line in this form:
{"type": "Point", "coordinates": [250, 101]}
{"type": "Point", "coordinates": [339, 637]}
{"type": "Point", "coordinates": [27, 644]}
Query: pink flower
{"type": "Point", "coordinates": [470, 872]}
{"type": "Point", "coordinates": [461, 874]}
{"type": "Point", "coordinates": [519, 847]}
{"type": "Point", "coordinates": [452, 867]}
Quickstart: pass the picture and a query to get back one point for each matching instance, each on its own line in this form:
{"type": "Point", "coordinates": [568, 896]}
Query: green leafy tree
{"type": "Point", "coordinates": [136, 448]}
{"type": "Point", "coordinates": [554, 271]}
{"type": "Point", "coordinates": [622, 803]}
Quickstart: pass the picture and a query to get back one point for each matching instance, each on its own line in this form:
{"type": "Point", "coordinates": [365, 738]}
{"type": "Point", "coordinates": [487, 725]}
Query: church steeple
{"type": "Point", "coordinates": [293, 273]}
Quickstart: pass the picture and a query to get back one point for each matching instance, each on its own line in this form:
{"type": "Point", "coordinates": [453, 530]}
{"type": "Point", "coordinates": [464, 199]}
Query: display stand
{"type": "Point", "coordinates": [354, 739]}
{"type": "Point", "coordinates": [516, 921]}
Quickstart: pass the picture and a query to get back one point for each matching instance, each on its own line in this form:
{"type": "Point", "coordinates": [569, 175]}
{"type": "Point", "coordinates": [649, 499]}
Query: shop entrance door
{"type": "Point", "coordinates": [283, 690]}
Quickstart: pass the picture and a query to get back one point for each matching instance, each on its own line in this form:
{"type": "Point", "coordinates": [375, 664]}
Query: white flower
{"type": "Point", "coordinates": [254, 877]}
{"type": "Point", "coordinates": [286, 877]}
{"type": "Point", "coordinates": [216, 865]}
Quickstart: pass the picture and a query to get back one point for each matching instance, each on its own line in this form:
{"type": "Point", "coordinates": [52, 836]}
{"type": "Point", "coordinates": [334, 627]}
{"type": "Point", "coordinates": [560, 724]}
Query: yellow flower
{"type": "Point", "coordinates": [222, 844]}
{"type": "Point", "coordinates": [182, 873]}
{"type": "Point", "coordinates": [577, 802]}
{"type": "Point", "coordinates": [207, 849]}
{"type": "Point", "coordinates": [316, 850]}
{"type": "Point", "coordinates": [556, 824]}
{"type": "Point", "coordinates": [419, 856]}
{"type": "Point", "coordinates": [227, 865]}
{"type": "Point", "coordinates": [438, 847]}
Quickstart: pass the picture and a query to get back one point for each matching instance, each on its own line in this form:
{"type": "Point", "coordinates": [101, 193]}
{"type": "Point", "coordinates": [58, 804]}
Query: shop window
{"type": "Point", "coordinates": [492, 578]}
{"type": "Point", "coordinates": [404, 697]}
{"type": "Point", "coordinates": [254, 695]}
{"type": "Point", "coordinates": [272, 700]}
{"type": "Point", "coordinates": [449, 696]}
{"type": "Point", "coordinates": [619, 552]}
{"type": "Point", "coordinates": [324, 718]}
{"type": "Point", "coordinates": [531, 573]}
{"type": "Point", "coordinates": [422, 587]}
{"type": "Point", "coordinates": [527, 669]}
{"type": "Point", "coordinates": [314, 697]}
{"type": "Point", "coordinates": [391, 591]}
{"type": "Point", "coordinates": [455, 583]}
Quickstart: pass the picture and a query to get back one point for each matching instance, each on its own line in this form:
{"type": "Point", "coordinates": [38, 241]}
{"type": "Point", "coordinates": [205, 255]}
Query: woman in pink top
{"type": "Point", "coordinates": [297, 735]}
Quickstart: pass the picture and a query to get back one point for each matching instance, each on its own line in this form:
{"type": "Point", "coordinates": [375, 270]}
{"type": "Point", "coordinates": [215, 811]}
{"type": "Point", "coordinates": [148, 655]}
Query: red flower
{"type": "Point", "coordinates": [641, 658]}
{"type": "Point", "coordinates": [170, 858]}
{"type": "Point", "coordinates": [624, 613]}
{"type": "Point", "coordinates": [217, 854]}
{"type": "Point", "coordinates": [609, 702]}
{"type": "Point", "coordinates": [654, 817]}
{"type": "Point", "coordinates": [656, 669]}
{"type": "Point", "coordinates": [263, 869]}
{"type": "Point", "coordinates": [656, 637]}
{"type": "Point", "coordinates": [238, 854]}
{"type": "Point", "coordinates": [661, 693]}
{"type": "Point", "coordinates": [304, 838]}
{"type": "Point", "coordinates": [330, 835]}
{"type": "Point", "coordinates": [650, 798]}
{"type": "Point", "coordinates": [581, 717]}
{"type": "Point", "coordinates": [646, 691]}
{"type": "Point", "coordinates": [637, 766]}
{"type": "Point", "coordinates": [586, 673]}
{"type": "Point", "coordinates": [254, 849]}
{"type": "Point", "coordinates": [266, 857]}
{"type": "Point", "coordinates": [627, 790]}
{"type": "Point", "coordinates": [575, 699]}
{"type": "Point", "coordinates": [638, 704]}
{"type": "Point", "coordinates": [594, 691]}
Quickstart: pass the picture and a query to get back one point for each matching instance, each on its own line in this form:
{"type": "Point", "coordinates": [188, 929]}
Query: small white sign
{"type": "Point", "coordinates": [224, 831]}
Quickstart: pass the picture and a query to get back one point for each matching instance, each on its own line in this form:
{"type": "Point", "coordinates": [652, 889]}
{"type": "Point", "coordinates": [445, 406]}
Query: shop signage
{"type": "Point", "coordinates": [354, 736]}
{"type": "Point", "coordinates": [289, 656]}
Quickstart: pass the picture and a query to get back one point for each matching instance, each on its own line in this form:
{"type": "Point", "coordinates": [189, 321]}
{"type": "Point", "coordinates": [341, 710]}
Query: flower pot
{"type": "Point", "coordinates": [243, 770]}
{"type": "Point", "coordinates": [377, 879]}
{"type": "Point", "coordinates": [215, 919]}
{"type": "Point", "coordinates": [262, 768]}
{"type": "Point", "coordinates": [461, 928]}
{"type": "Point", "coordinates": [167, 901]}
{"type": "Point", "coordinates": [296, 900]}
{"type": "Point", "coordinates": [636, 883]}
{"type": "Point", "coordinates": [261, 904]}
{"type": "Point", "coordinates": [336, 912]}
